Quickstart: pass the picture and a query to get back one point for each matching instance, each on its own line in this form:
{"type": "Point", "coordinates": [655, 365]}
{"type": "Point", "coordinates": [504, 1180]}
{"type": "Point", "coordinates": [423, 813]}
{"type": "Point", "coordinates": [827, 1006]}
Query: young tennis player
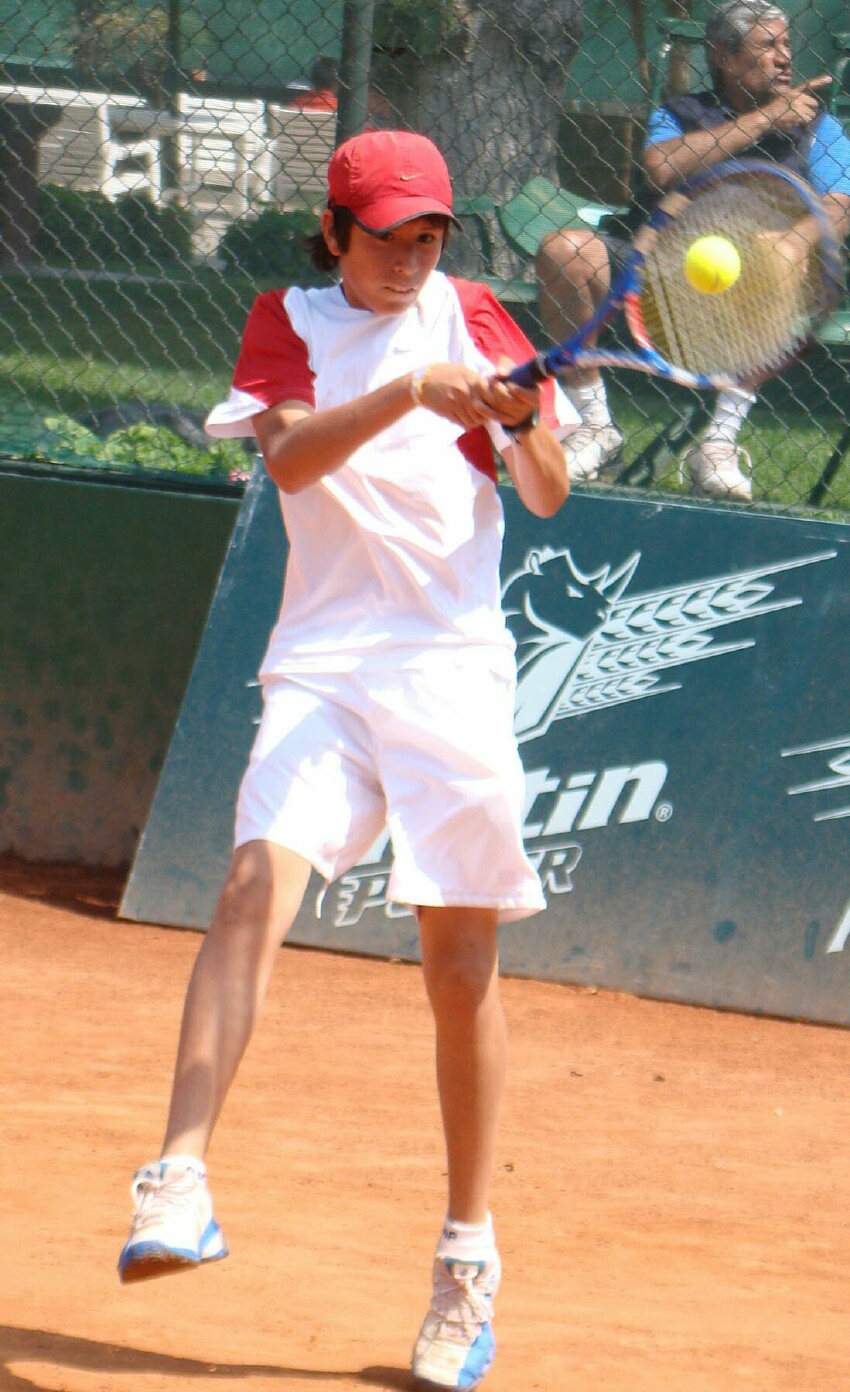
{"type": "Point", "coordinates": [388, 688]}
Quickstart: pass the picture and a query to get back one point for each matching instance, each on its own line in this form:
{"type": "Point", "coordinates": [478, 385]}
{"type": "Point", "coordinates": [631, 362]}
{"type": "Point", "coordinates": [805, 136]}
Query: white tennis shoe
{"type": "Point", "coordinates": [716, 472]}
{"type": "Point", "coordinates": [589, 448]}
{"type": "Point", "coordinates": [456, 1345]}
{"type": "Point", "coordinates": [173, 1225]}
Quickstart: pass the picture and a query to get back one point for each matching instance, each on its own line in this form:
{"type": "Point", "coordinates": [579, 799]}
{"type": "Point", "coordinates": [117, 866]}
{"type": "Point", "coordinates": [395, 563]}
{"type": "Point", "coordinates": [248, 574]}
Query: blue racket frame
{"type": "Point", "coordinates": [624, 295]}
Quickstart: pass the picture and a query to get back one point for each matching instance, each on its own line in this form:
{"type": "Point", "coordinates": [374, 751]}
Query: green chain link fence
{"type": "Point", "coordinates": [159, 167]}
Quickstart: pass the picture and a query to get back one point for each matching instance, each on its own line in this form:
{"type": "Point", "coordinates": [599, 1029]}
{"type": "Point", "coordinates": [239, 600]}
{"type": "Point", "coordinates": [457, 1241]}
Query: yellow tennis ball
{"type": "Point", "coordinates": [712, 264]}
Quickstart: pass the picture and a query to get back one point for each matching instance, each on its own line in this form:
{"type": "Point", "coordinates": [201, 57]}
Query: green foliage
{"type": "Point", "coordinates": [121, 42]}
{"type": "Point", "coordinates": [63, 440]}
{"type": "Point", "coordinates": [155, 447]}
{"type": "Point", "coordinates": [74, 228]}
{"type": "Point", "coordinates": [88, 231]}
{"type": "Point", "coordinates": [423, 30]}
{"type": "Point", "coordinates": [58, 438]}
{"type": "Point", "coordinates": [271, 247]}
{"type": "Point", "coordinates": [129, 45]}
{"type": "Point", "coordinates": [150, 233]}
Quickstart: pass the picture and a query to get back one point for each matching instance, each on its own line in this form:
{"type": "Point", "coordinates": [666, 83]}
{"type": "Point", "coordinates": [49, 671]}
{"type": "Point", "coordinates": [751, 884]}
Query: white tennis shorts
{"type": "Point", "coordinates": [427, 752]}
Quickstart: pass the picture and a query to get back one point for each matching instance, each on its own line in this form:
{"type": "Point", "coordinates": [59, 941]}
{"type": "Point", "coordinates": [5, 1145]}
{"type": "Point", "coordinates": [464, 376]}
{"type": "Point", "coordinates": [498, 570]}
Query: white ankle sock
{"type": "Point", "coordinates": [591, 402]}
{"type": "Point", "coordinates": [186, 1162]}
{"type": "Point", "coordinates": [730, 411]}
{"type": "Point", "coordinates": [467, 1241]}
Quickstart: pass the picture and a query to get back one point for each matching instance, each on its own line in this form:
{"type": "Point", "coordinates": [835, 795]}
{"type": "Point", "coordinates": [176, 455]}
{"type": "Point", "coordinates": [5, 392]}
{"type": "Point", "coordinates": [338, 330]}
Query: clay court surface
{"type": "Point", "coordinates": [672, 1199]}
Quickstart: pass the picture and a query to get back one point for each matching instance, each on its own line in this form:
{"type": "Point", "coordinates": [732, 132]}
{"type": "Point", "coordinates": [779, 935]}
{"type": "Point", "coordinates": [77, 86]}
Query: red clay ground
{"type": "Point", "coordinates": [671, 1201]}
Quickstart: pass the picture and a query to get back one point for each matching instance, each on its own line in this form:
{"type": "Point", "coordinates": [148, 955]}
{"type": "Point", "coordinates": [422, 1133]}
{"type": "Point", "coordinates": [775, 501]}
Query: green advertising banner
{"type": "Point", "coordinates": [684, 727]}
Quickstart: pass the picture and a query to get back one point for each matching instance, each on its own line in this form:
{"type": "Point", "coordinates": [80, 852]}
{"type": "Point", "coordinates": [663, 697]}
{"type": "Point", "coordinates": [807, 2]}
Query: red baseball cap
{"type": "Point", "coordinates": [387, 177]}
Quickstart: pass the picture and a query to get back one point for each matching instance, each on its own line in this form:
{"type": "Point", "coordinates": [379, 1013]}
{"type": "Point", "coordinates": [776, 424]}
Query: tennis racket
{"type": "Point", "coordinates": [790, 279]}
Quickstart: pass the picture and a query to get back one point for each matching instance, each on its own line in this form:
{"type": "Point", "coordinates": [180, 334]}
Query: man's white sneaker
{"type": "Point", "coordinates": [589, 448]}
{"type": "Point", "coordinates": [173, 1225]}
{"type": "Point", "coordinates": [716, 472]}
{"type": "Point", "coordinates": [456, 1344]}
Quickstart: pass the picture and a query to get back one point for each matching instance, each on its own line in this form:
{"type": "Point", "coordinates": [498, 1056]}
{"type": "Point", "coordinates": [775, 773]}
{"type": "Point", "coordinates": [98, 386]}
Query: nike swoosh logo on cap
{"type": "Point", "coordinates": [407, 177]}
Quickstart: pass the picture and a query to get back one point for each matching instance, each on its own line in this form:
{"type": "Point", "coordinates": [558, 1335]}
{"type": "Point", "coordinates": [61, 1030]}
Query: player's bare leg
{"type": "Point", "coordinates": [460, 967]}
{"type": "Point", "coordinates": [573, 278]}
{"type": "Point", "coordinates": [173, 1226]}
{"type": "Point", "coordinates": [260, 898]}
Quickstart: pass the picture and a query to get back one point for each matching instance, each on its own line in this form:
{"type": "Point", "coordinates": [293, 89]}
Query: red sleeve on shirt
{"type": "Point", "coordinates": [497, 335]}
{"type": "Point", "coordinates": [273, 363]}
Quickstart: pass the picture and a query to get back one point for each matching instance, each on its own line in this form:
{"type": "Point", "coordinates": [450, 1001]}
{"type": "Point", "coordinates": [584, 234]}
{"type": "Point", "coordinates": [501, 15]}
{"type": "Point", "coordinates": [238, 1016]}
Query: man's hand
{"type": "Point", "coordinates": [798, 106]}
{"type": "Point", "coordinates": [668, 162]}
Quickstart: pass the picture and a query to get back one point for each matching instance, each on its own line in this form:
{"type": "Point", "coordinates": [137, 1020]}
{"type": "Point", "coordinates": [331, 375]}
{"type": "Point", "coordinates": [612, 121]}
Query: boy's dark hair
{"type": "Point", "coordinates": [320, 253]}
{"type": "Point", "coordinates": [323, 258]}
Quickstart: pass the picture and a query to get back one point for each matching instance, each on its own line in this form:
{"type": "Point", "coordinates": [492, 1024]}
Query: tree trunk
{"type": "Point", "coordinates": [495, 111]}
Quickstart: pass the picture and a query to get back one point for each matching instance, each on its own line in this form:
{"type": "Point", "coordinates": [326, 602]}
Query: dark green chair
{"type": "Point", "coordinates": [541, 207]}
{"type": "Point", "coordinates": [538, 208]}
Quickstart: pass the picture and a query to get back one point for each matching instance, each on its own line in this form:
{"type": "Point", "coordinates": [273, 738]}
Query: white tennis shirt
{"type": "Point", "coordinates": [397, 552]}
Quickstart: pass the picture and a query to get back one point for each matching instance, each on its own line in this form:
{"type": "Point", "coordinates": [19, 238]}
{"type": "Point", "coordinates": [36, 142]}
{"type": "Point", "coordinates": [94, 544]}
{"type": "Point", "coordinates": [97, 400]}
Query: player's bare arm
{"type": "Point", "coordinates": [300, 446]}
{"type": "Point", "coordinates": [535, 461]}
{"type": "Point", "coordinates": [538, 469]}
{"type": "Point", "coordinates": [667, 162]}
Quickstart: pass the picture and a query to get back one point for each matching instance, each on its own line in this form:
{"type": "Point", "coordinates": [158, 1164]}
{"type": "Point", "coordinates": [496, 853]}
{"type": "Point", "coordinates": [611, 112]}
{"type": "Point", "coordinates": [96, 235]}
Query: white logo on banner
{"type": "Point", "coordinates": [584, 643]}
{"type": "Point", "coordinates": [832, 759]}
{"type": "Point", "coordinates": [837, 760]}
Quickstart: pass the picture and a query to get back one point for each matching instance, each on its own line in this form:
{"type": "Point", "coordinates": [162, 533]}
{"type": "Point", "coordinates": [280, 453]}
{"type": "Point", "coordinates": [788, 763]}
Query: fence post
{"type": "Point", "coordinates": [357, 23]}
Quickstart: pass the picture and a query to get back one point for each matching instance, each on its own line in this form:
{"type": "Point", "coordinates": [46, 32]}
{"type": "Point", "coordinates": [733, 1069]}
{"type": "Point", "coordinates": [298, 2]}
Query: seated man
{"type": "Point", "coordinates": [323, 94]}
{"type": "Point", "coordinates": [752, 112]}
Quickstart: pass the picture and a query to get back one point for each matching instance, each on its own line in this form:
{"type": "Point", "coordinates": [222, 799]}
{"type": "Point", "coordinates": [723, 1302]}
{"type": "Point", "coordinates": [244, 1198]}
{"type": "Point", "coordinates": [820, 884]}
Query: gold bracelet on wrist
{"type": "Point", "coordinates": [418, 377]}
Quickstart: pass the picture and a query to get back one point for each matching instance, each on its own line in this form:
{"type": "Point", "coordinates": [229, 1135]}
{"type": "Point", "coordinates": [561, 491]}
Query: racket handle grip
{"type": "Point", "coordinates": [531, 373]}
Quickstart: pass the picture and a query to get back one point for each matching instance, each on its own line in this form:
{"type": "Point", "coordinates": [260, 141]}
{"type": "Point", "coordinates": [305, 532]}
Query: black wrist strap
{"type": "Point", "coordinates": [522, 427]}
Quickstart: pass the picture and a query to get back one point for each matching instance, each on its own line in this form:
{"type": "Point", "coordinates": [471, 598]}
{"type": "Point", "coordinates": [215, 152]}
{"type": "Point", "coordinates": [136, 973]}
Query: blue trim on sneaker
{"type": "Point", "coordinates": [479, 1360]}
{"type": "Point", "coordinates": [161, 1258]}
{"type": "Point", "coordinates": [142, 1252]}
{"type": "Point", "coordinates": [212, 1232]}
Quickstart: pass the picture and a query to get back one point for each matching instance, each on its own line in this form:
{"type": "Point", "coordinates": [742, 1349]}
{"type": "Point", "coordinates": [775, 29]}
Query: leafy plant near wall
{"type": "Point", "coordinates": [88, 231]}
{"type": "Point", "coordinates": [156, 448]}
{"type": "Point", "coordinates": [270, 246]}
{"type": "Point", "coordinates": [61, 439]}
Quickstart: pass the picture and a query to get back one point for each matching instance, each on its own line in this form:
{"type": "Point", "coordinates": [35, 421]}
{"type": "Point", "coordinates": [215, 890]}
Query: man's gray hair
{"type": "Point", "coordinates": [730, 24]}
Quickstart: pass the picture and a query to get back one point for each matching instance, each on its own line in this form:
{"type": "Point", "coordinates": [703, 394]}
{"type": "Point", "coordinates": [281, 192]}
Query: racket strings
{"type": "Point", "coordinates": [768, 313]}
